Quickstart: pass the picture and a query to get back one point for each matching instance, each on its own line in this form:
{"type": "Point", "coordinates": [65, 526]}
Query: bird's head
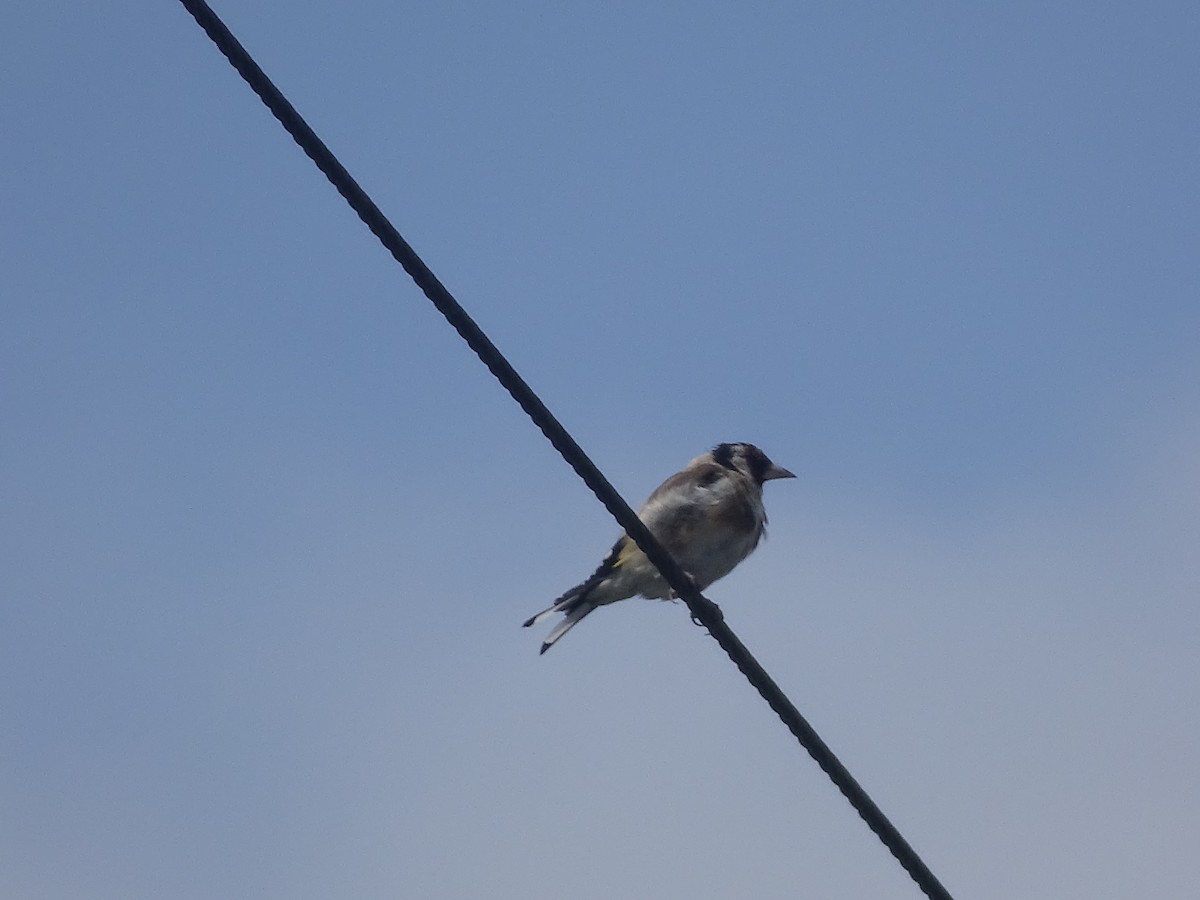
{"type": "Point", "coordinates": [750, 461]}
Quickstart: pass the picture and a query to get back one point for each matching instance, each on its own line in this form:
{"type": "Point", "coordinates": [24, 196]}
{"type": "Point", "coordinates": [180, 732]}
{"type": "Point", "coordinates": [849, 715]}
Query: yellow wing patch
{"type": "Point", "coordinates": [624, 549]}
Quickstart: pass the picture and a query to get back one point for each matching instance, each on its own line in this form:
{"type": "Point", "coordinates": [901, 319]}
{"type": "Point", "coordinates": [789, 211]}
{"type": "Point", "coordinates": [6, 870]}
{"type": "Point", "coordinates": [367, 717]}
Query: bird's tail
{"type": "Point", "coordinates": [577, 602]}
{"type": "Point", "coordinates": [572, 619]}
{"type": "Point", "coordinates": [574, 604]}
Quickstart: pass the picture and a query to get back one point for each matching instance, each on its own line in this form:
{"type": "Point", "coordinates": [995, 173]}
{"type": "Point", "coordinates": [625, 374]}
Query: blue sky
{"type": "Point", "coordinates": [269, 530]}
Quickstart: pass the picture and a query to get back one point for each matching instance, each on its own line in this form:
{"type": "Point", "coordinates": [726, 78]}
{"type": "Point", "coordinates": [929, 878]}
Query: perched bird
{"type": "Point", "coordinates": [709, 517]}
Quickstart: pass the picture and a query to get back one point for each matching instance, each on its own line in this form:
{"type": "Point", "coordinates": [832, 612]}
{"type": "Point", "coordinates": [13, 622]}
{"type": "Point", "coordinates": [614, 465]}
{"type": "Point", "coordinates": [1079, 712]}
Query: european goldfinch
{"type": "Point", "coordinates": [709, 517]}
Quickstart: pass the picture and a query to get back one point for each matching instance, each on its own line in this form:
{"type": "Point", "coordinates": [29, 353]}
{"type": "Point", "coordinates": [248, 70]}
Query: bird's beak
{"type": "Point", "coordinates": [778, 472]}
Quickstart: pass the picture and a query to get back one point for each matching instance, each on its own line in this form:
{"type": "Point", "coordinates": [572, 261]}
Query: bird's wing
{"type": "Point", "coordinates": [681, 504]}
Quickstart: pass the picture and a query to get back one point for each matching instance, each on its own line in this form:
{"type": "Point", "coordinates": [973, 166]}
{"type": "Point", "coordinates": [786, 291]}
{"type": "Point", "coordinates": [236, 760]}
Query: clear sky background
{"type": "Point", "coordinates": [268, 530]}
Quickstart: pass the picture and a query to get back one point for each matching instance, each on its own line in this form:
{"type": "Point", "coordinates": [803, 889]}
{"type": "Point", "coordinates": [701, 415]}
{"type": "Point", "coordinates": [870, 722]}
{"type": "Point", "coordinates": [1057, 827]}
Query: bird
{"type": "Point", "coordinates": [709, 517]}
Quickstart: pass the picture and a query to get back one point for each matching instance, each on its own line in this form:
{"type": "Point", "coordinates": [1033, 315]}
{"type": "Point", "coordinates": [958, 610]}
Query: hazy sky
{"type": "Point", "coordinates": [269, 530]}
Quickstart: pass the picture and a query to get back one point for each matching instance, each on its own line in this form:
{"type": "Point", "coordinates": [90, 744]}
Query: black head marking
{"type": "Point", "coordinates": [756, 462]}
{"type": "Point", "coordinates": [723, 454]}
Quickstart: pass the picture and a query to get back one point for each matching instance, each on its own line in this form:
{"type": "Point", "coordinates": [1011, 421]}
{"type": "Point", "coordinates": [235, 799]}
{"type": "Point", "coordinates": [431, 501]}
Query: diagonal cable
{"type": "Point", "coordinates": [703, 610]}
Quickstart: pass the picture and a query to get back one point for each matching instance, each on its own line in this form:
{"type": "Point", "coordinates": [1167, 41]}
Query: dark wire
{"type": "Point", "coordinates": [703, 610]}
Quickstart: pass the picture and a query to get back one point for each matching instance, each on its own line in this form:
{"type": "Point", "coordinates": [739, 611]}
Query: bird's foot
{"type": "Point", "coordinates": [713, 611]}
